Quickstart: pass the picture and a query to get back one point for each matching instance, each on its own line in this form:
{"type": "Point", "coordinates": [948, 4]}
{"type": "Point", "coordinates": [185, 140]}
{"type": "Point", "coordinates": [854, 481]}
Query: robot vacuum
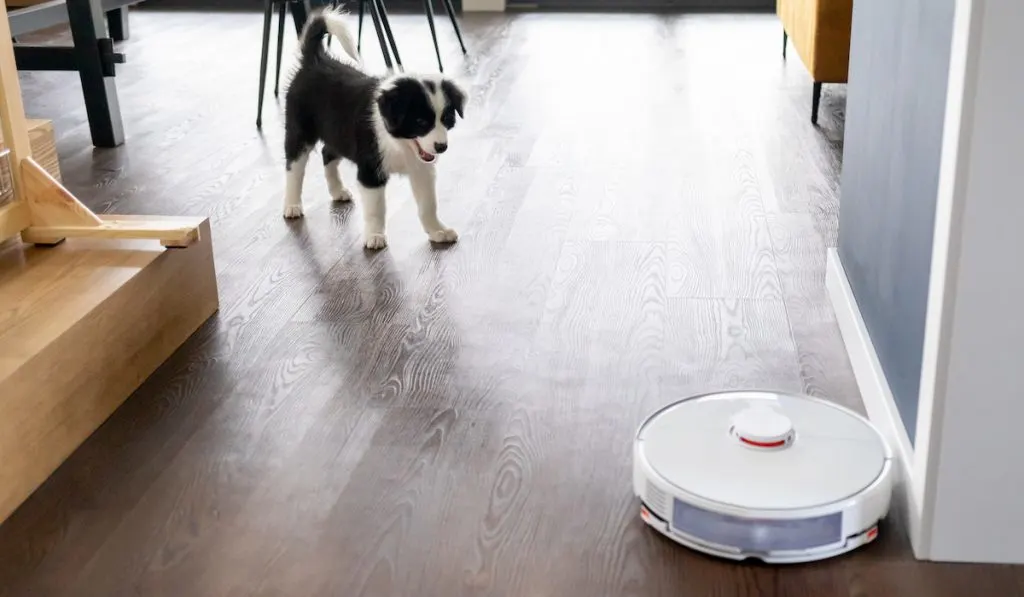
{"type": "Point", "coordinates": [762, 475]}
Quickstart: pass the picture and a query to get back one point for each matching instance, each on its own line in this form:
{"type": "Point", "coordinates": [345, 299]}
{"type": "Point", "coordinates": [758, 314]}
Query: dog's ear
{"type": "Point", "coordinates": [392, 105]}
{"type": "Point", "coordinates": [455, 95]}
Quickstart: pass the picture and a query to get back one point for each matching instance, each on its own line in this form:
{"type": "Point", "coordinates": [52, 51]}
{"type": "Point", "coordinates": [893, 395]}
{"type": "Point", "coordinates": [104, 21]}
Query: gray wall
{"type": "Point", "coordinates": [899, 62]}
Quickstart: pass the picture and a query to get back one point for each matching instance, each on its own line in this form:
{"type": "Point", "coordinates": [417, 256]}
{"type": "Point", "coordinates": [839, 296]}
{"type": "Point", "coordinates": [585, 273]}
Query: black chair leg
{"type": "Point", "coordinates": [268, 11]}
{"type": "Point", "coordinates": [785, 42]}
{"type": "Point", "coordinates": [359, 34]}
{"type": "Point", "coordinates": [815, 102]}
{"type": "Point", "coordinates": [300, 14]}
{"type": "Point", "coordinates": [375, 17]}
{"type": "Point", "coordinates": [282, 13]}
{"type": "Point", "coordinates": [387, 31]}
{"type": "Point", "coordinates": [428, 7]}
{"type": "Point", "coordinates": [455, 23]}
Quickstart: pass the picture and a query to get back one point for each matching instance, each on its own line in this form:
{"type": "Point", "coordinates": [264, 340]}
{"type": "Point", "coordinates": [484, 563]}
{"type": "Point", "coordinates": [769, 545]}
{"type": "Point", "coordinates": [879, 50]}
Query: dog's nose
{"type": "Point", "coordinates": [441, 147]}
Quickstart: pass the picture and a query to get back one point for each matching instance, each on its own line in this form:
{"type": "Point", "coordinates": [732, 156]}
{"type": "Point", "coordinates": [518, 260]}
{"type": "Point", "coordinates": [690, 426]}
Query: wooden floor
{"type": "Point", "coordinates": [644, 210]}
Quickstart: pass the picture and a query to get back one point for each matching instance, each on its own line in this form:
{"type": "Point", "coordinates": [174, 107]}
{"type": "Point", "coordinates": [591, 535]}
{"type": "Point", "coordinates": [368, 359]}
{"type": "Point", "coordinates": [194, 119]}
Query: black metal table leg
{"type": "Point", "coordinates": [86, 20]}
{"type": "Point", "coordinates": [428, 7]}
{"type": "Point", "coordinates": [117, 23]}
{"type": "Point", "coordinates": [387, 31]}
{"type": "Point", "coordinates": [375, 16]}
{"type": "Point", "coordinates": [455, 23]}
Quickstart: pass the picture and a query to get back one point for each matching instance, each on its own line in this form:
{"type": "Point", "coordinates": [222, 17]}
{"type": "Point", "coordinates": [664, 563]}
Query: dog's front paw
{"type": "Point", "coordinates": [292, 211]}
{"type": "Point", "coordinates": [444, 235]}
{"type": "Point", "coordinates": [376, 241]}
{"type": "Point", "coordinates": [341, 195]}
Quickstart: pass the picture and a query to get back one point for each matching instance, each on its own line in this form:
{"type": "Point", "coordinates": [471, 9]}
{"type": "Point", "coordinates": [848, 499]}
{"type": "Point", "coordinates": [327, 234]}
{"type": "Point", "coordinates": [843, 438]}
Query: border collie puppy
{"type": "Point", "coordinates": [386, 125]}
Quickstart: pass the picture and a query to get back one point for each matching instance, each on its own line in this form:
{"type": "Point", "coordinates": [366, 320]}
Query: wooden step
{"type": "Point", "coordinates": [82, 325]}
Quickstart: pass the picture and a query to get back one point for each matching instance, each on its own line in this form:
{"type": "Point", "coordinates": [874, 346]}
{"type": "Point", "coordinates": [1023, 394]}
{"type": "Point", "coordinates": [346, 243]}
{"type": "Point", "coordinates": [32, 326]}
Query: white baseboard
{"type": "Point", "coordinates": [874, 388]}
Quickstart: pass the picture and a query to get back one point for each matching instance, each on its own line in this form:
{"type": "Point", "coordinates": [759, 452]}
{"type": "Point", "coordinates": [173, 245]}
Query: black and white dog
{"type": "Point", "coordinates": [386, 125]}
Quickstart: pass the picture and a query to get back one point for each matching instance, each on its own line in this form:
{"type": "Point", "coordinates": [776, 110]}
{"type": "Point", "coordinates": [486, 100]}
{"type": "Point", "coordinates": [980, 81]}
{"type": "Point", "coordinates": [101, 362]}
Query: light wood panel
{"type": "Point", "coordinates": [14, 217]}
{"type": "Point", "coordinates": [81, 326]}
{"type": "Point", "coordinates": [170, 232]}
{"type": "Point", "coordinates": [51, 204]}
{"type": "Point", "coordinates": [12, 110]}
{"type": "Point", "coordinates": [43, 145]}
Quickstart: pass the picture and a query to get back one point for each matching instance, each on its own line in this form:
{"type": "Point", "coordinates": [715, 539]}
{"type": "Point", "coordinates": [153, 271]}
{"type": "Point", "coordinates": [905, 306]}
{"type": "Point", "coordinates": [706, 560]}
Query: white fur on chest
{"type": "Point", "coordinates": [397, 156]}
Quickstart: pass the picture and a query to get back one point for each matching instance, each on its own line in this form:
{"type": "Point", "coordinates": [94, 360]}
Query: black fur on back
{"type": "Point", "coordinates": [313, 35]}
{"type": "Point", "coordinates": [332, 102]}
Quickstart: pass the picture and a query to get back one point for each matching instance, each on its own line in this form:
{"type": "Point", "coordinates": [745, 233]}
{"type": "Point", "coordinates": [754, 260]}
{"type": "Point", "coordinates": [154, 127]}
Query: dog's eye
{"type": "Point", "coordinates": [422, 122]}
{"type": "Point", "coordinates": [448, 118]}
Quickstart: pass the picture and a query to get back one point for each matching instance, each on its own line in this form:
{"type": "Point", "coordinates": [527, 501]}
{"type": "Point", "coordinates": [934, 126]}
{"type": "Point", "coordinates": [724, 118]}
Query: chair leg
{"type": "Point", "coordinates": [387, 31]}
{"type": "Point", "coordinates": [282, 14]}
{"type": "Point", "coordinates": [375, 17]}
{"type": "Point", "coordinates": [455, 23]}
{"type": "Point", "coordinates": [268, 11]}
{"type": "Point", "coordinates": [300, 14]}
{"type": "Point", "coordinates": [428, 7]}
{"type": "Point", "coordinates": [815, 102]}
{"type": "Point", "coordinates": [359, 34]}
{"type": "Point", "coordinates": [785, 42]}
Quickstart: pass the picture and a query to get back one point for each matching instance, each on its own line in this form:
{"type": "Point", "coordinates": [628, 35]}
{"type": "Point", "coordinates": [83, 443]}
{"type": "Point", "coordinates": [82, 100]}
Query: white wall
{"type": "Point", "coordinates": [483, 5]}
{"type": "Point", "coordinates": [972, 457]}
{"type": "Point", "coordinates": [965, 471]}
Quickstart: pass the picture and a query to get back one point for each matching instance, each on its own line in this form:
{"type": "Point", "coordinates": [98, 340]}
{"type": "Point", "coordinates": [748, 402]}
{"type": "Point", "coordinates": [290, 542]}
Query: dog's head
{"type": "Point", "coordinates": [421, 111]}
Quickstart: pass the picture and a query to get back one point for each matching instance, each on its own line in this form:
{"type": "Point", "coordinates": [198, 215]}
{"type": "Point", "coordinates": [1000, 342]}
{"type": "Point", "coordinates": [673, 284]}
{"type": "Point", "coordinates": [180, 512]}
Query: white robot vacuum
{"type": "Point", "coordinates": [763, 475]}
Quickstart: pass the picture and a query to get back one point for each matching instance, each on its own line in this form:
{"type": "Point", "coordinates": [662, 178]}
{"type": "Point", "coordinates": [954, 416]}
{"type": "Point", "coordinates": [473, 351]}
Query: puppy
{"type": "Point", "coordinates": [394, 125]}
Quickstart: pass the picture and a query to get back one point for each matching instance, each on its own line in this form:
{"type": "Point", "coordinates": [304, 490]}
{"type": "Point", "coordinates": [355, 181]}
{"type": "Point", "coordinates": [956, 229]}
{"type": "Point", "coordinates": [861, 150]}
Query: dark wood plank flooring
{"type": "Point", "coordinates": [644, 209]}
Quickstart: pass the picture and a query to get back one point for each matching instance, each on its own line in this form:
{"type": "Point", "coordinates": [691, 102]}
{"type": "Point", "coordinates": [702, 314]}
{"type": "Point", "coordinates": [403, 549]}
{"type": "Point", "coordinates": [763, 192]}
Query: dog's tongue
{"type": "Point", "coordinates": [426, 157]}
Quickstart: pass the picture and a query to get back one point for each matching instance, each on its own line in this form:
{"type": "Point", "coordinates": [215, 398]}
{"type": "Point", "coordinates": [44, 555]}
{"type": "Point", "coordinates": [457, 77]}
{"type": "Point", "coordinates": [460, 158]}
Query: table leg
{"type": "Point", "coordinates": [86, 20]}
{"type": "Point", "coordinates": [117, 23]}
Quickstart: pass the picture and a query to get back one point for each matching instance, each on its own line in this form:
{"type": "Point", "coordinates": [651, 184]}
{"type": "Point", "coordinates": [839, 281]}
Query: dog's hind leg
{"type": "Point", "coordinates": [296, 155]}
{"type": "Point", "coordinates": [334, 185]}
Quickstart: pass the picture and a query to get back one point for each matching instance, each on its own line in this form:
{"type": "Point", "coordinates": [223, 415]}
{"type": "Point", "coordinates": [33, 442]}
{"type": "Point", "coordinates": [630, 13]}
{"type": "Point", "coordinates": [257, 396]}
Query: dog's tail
{"type": "Point", "coordinates": [330, 21]}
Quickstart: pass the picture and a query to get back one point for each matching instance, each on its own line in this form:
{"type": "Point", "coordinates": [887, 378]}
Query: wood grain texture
{"type": "Point", "coordinates": [12, 109]}
{"type": "Point", "coordinates": [43, 143]}
{"type": "Point", "coordinates": [14, 217]}
{"type": "Point", "coordinates": [57, 383]}
{"type": "Point", "coordinates": [15, 134]}
{"type": "Point", "coordinates": [50, 203]}
{"type": "Point", "coordinates": [174, 232]}
{"type": "Point", "coordinates": [458, 422]}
